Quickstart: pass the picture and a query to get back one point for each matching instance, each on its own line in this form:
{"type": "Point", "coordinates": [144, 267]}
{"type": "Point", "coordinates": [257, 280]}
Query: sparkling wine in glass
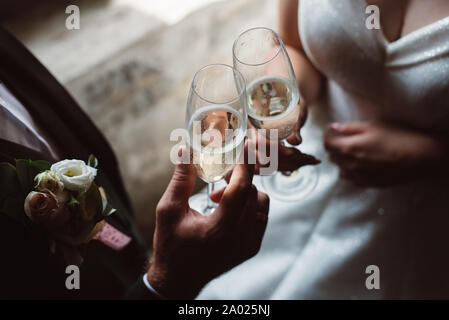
{"type": "Point", "coordinates": [273, 103]}
{"type": "Point", "coordinates": [216, 121]}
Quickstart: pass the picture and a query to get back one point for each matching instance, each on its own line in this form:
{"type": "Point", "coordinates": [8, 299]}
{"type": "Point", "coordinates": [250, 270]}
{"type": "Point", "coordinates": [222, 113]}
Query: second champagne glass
{"type": "Point", "coordinates": [273, 102]}
{"type": "Point", "coordinates": [216, 122]}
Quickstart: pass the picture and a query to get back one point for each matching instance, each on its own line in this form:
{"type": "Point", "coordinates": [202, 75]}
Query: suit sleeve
{"type": "Point", "coordinates": [139, 291]}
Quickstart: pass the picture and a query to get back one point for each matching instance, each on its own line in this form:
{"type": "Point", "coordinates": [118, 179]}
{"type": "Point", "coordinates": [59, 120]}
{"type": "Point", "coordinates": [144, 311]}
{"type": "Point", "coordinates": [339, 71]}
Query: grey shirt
{"type": "Point", "coordinates": [17, 125]}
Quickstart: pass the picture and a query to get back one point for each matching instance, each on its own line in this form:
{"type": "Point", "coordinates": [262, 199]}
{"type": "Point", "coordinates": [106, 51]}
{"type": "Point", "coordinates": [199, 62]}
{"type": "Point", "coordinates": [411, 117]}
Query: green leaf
{"type": "Point", "coordinates": [110, 210]}
{"type": "Point", "coordinates": [104, 204]}
{"type": "Point", "coordinates": [8, 179]}
{"type": "Point", "coordinates": [27, 170]}
{"type": "Point", "coordinates": [107, 209]}
{"type": "Point", "coordinates": [73, 202]}
{"type": "Point", "coordinates": [40, 165]}
{"type": "Point", "coordinates": [90, 204]}
{"type": "Point", "coordinates": [23, 174]}
{"type": "Point", "coordinates": [11, 196]}
{"type": "Point", "coordinates": [92, 161]}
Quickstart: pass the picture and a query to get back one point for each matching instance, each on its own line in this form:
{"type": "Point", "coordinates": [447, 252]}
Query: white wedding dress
{"type": "Point", "coordinates": [319, 248]}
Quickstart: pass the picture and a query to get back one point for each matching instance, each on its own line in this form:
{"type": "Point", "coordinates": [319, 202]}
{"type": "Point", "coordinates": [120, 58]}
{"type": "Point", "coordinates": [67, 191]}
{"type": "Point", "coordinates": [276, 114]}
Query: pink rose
{"type": "Point", "coordinates": [46, 208]}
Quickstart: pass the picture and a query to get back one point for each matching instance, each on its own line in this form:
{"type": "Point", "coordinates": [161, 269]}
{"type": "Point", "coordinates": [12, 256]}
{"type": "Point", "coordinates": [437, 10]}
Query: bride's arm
{"type": "Point", "coordinates": [308, 77]}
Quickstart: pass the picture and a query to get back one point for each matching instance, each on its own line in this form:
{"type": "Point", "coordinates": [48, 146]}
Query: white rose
{"type": "Point", "coordinates": [48, 180]}
{"type": "Point", "coordinates": [74, 174]}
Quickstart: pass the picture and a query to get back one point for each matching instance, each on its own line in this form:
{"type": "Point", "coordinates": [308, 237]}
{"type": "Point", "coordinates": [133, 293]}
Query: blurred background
{"type": "Point", "coordinates": [130, 66]}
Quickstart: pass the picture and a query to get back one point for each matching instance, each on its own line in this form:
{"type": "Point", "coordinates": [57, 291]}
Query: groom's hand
{"type": "Point", "coordinates": [191, 249]}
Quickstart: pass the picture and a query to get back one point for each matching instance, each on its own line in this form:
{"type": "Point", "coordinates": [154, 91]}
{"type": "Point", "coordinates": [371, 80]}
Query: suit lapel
{"type": "Point", "coordinates": [53, 107]}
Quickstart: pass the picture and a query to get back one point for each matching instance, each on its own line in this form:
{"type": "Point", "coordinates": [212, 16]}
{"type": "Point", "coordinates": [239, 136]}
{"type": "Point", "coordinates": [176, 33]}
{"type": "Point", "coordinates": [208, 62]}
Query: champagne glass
{"type": "Point", "coordinates": [216, 122]}
{"type": "Point", "coordinates": [273, 103]}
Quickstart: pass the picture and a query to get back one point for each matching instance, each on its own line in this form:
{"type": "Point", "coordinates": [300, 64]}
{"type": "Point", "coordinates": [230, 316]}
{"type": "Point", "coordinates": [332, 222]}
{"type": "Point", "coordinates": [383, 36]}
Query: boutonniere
{"type": "Point", "coordinates": [62, 200]}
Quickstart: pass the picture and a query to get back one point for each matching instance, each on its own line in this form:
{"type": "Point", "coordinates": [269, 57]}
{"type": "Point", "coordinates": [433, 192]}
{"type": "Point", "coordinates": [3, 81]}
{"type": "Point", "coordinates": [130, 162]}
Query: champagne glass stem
{"type": "Point", "coordinates": [285, 173]}
{"type": "Point", "coordinates": [210, 206]}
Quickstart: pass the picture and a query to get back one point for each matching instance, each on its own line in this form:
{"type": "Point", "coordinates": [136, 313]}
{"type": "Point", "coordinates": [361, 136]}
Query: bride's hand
{"type": "Point", "coordinates": [289, 159]}
{"type": "Point", "coordinates": [286, 159]}
{"type": "Point", "coordinates": [295, 138]}
{"type": "Point", "coordinates": [373, 154]}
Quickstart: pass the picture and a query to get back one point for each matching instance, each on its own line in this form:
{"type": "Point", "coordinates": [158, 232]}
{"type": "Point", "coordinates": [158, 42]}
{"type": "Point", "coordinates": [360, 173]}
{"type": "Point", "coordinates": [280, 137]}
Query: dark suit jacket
{"type": "Point", "coordinates": [27, 269]}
